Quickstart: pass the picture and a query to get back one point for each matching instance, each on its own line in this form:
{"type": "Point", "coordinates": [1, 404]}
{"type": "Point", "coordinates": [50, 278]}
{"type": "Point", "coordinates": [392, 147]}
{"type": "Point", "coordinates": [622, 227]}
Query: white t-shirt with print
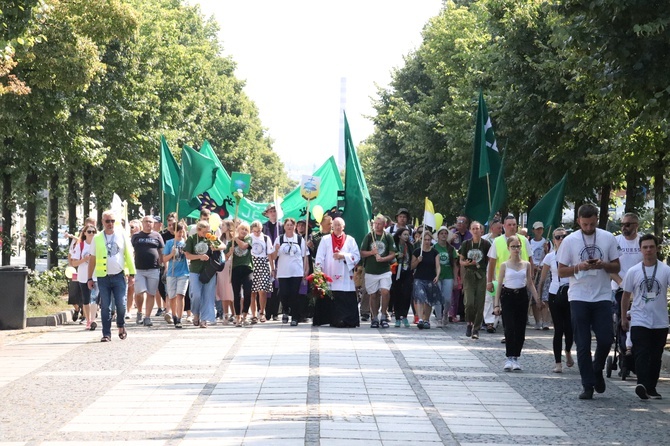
{"type": "Point", "coordinates": [650, 305]}
{"type": "Point", "coordinates": [537, 250]}
{"type": "Point", "coordinates": [630, 255]}
{"type": "Point", "coordinates": [261, 246]}
{"type": "Point", "coordinates": [290, 256]}
{"type": "Point", "coordinates": [592, 285]}
{"type": "Point", "coordinates": [116, 246]}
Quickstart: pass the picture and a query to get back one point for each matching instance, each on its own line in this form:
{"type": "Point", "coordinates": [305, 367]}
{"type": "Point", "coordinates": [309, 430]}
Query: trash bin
{"type": "Point", "coordinates": [13, 297]}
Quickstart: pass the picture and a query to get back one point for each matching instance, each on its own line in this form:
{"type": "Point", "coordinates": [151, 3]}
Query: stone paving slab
{"type": "Point", "coordinates": [275, 384]}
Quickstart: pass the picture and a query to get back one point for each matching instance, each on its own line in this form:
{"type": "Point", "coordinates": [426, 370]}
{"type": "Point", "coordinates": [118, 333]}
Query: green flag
{"type": "Point", "coordinates": [358, 204]}
{"type": "Point", "coordinates": [169, 182]}
{"type": "Point", "coordinates": [219, 198]}
{"type": "Point", "coordinates": [240, 181]}
{"type": "Point", "coordinates": [198, 174]}
{"type": "Point", "coordinates": [485, 167]}
{"type": "Point", "coordinates": [500, 195]}
{"type": "Point", "coordinates": [549, 210]}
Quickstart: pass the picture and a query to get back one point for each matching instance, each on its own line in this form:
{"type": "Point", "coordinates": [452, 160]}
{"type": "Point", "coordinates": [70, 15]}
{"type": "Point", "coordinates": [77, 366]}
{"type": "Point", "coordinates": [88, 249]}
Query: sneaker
{"type": "Point", "coordinates": [189, 319]}
{"type": "Point", "coordinates": [284, 319]}
{"type": "Point", "coordinates": [475, 334]}
{"type": "Point", "coordinates": [490, 328]}
{"type": "Point", "coordinates": [365, 317]}
{"type": "Point", "coordinates": [246, 322]}
{"type": "Point", "coordinates": [168, 317]}
{"type": "Point", "coordinates": [426, 325]}
{"type": "Point", "coordinates": [94, 325]}
{"type": "Point", "coordinates": [416, 320]}
{"type": "Point", "coordinates": [75, 315]}
{"type": "Point", "coordinates": [397, 323]}
{"type": "Point", "coordinates": [405, 322]}
{"type": "Point", "coordinates": [419, 325]}
{"type": "Point", "coordinates": [139, 318]}
{"type": "Point", "coordinates": [545, 326]}
{"type": "Point", "coordinates": [178, 324]}
{"type": "Point", "coordinates": [468, 331]}
{"type": "Point", "coordinates": [641, 391]}
{"type": "Point", "coordinates": [538, 326]}
{"type": "Point", "coordinates": [294, 323]}
{"type": "Point", "coordinates": [653, 394]}
{"type": "Point", "coordinates": [558, 368]}
{"type": "Point", "coordinates": [225, 320]}
{"type": "Point", "coordinates": [275, 318]}
{"type": "Point", "coordinates": [159, 312]}
{"type": "Point", "coordinates": [147, 322]}
{"type": "Point", "coordinates": [508, 365]}
{"type": "Point", "coordinates": [127, 316]}
{"type": "Point", "coordinates": [515, 364]}
{"type": "Point", "coordinates": [587, 394]}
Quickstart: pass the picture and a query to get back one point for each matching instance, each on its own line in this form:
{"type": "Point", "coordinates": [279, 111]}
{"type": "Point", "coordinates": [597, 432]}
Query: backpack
{"type": "Point", "coordinates": [281, 240]}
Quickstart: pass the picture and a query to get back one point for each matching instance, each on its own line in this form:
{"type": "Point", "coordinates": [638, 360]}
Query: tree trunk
{"type": "Point", "coordinates": [31, 217]}
{"type": "Point", "coordinates": [86, 195]}
{"type": "Point", "coordinates": [605, 193]}
{"type": "Point", "coordinates": [659, 196]}
{"type": "Point", "coordinates": [575, 223]}
{"type": "Point", "coordinates": [53, 221]}
{"type": "Point", "coordinates": [72, 203]}
{"type": "Point", "coordinates": [632, 192]}
{"type": "Point", "coordinates": [8, 207]}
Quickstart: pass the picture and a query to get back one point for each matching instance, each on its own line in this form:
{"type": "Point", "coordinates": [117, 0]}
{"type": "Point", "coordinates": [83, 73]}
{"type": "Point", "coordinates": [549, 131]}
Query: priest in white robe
{"type": "Point", "coordinates": [337, 257]}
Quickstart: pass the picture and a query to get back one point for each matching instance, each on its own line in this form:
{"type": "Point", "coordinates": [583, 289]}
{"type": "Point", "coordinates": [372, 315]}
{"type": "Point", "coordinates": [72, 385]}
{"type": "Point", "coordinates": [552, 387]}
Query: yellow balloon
{"type": "Point", "coordinates": [214, 222]}
{"type": "Point", "coordinates": [317, 212]}
{"type": "Point", "coordinates": [439, 219]}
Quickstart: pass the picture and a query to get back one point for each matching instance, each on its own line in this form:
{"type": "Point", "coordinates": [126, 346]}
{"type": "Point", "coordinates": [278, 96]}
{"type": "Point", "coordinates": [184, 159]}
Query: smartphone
{"type": "Point", "coordinates": [592, 261]}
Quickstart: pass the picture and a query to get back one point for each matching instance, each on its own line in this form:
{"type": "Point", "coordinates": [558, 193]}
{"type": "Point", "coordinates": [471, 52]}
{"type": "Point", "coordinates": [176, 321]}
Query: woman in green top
{"type": "Point", "coordinates": [448, 270]}
{"type": "Point", "coordinates": [242, 273]}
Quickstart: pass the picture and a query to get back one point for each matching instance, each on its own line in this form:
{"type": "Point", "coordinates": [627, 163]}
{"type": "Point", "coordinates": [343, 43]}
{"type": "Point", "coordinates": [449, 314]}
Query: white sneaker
{"type": "Point", "coordinates": [509, 364]}
{"type": "Point", "coordinates": [515, 364]}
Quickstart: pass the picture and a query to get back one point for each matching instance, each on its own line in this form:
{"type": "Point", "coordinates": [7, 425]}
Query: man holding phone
{"type": "Point", "coordinates": [588, 257]}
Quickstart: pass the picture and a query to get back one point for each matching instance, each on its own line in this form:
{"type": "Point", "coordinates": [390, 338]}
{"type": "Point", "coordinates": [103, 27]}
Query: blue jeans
{"type": "Point", "coordinates": [596, 316]}
{"type": "Point", "coordinates": [109, 286]}
{"type": "Point", "coordinates": [203, 298]}
{"type": "Point", "coordinates": [446, 288]}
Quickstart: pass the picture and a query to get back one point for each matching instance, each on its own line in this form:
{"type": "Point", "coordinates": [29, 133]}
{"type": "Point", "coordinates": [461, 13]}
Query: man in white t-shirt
{"type": "Point", "coordinates": [647, 284]}
{"type": "Point", "coordinates": [629, 246]}
{"type": "Point", "coordinates": [588, 256]}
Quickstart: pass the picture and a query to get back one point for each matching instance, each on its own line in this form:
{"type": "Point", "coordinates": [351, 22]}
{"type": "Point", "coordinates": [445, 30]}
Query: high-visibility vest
{"type": "Point", "coordinates": [503, 254]}
{"type": "Point", "coordinates": [101, 256]}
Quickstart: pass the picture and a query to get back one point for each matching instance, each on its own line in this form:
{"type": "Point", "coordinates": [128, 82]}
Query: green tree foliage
{"type": "Point", "coordinates": [106, 79]}
{"type": "Point", "coordinates": [571, 86]}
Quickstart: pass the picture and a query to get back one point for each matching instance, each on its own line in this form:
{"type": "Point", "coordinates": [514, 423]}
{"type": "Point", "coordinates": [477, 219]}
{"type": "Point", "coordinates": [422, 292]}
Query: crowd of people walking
{"type": "Point", "coordinates": [241, 275]}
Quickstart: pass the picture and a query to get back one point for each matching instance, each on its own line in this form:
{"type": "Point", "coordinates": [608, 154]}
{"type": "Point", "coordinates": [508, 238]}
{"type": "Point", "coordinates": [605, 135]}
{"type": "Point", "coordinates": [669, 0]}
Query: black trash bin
{"type": "Point", "coordinates": [13, 297]}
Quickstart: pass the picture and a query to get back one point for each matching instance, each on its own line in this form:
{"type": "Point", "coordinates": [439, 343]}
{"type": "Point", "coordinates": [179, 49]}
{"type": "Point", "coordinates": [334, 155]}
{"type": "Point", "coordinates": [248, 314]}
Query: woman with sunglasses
{"type": "Point", "coordinates": [80, 256]}
{"type": "Point", "coordinates": [558, 303]}
{"type": "Point", "coordinates": [516, 278]}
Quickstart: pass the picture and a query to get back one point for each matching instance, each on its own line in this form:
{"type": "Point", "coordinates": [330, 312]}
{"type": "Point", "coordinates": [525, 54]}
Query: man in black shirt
{"type": "Point", "coordinates": [148, 245]}
{"type": "Point", "coordinates": [273, 229]}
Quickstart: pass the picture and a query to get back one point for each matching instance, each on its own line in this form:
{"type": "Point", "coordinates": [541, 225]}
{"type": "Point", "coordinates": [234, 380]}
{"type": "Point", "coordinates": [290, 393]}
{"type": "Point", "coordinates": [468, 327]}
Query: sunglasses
{"type": "Point", "coordinates": [515, 246]}
{"type": "Point", "coordinates": [90, 232]}
{"type": "Point", "coordinates": [559, 237]}
{"type": "Point", "coordinates": [110, 221]}
{"type": "Point", "coordinates": [628, 225]}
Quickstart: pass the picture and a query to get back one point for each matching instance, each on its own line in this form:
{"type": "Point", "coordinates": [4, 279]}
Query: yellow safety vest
{"type": "Point", "coordinates": [503, 252]}
{"type": "Point", "coordinates": [101, 256]}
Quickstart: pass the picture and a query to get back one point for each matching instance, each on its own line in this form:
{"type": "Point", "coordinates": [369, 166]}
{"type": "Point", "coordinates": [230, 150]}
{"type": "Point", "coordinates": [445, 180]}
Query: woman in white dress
{"type": "Point", "coordinates": [337, 257]}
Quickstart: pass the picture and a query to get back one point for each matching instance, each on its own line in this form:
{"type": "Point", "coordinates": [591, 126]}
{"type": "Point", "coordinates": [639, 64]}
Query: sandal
{"type": "Point", "coordinates": [263, 318]}
{"type": "Point", "coordinates": [385, 324]}
{"type": "Point", "coordinates": [254, 320]}
{"type": "Point", "coordinates": [196, 321]}
{"type": "Point", "coordinates": [106, 339]}
{"type": "Point", "coordinates": [122, 333]}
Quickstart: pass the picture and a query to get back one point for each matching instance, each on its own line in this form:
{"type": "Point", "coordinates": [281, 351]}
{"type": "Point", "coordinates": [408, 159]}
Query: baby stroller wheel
{"type": "Point", "coordinates": [608, 367]}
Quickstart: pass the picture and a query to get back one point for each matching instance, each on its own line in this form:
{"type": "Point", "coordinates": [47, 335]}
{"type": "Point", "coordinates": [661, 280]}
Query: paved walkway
{"type": "Point", "coordinates": [275, 384]}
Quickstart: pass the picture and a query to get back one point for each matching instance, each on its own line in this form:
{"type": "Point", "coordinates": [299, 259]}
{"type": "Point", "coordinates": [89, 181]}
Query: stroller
{"type": "Point", "coordinates": [624, 363]}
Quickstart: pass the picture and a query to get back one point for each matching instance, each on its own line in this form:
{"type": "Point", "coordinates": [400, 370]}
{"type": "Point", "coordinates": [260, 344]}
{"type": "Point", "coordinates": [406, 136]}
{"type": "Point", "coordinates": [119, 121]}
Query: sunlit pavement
{"type": "Point", "coordinates": [275, 384]}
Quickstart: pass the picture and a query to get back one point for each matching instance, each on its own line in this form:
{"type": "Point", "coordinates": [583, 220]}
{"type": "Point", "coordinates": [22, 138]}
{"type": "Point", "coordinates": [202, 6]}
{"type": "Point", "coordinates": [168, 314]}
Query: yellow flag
{"type": "Point", "coordinates": [429, 215]}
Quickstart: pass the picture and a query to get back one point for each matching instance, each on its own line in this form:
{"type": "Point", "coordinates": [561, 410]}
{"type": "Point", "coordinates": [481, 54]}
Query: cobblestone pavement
{"type": "Point", "coordinates": [275, 384]}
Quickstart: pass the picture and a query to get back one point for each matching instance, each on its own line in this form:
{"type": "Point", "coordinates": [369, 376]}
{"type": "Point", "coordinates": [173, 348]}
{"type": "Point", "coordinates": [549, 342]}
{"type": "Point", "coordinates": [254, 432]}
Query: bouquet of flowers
{"type": "Point", "coordinates": [213, 241]}
{"type": "Point", "coordinates": [320, 283]}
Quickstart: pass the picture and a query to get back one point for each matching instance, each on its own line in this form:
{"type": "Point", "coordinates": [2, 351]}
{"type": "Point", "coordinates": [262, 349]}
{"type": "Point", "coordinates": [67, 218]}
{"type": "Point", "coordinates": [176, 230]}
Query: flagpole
{"type": "Point", "coordinates": [488, 188]}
